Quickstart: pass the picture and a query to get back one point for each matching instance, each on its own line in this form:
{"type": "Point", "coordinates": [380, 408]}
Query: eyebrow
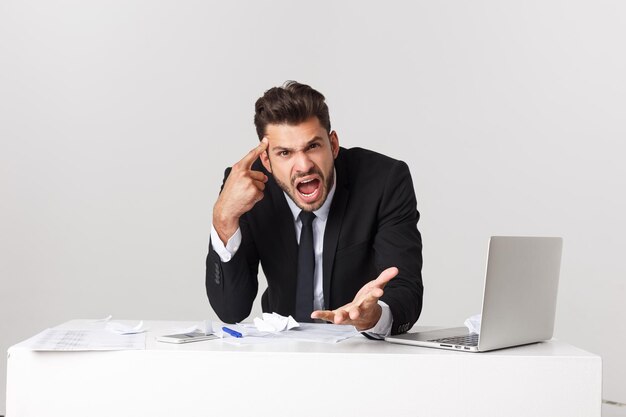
{"type": "Point", "coordinates": [283, 148]}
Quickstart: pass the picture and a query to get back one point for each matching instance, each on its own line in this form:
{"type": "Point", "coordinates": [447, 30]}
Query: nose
{"type": "Point", "coordinates": [303, 163]}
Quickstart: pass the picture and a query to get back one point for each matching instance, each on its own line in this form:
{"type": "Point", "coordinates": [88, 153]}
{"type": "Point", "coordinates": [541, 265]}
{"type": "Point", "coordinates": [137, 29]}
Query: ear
{"type": "Point", "coordinates": [334, 143]}
{"type": "Point", "coordinates": [265, 160]}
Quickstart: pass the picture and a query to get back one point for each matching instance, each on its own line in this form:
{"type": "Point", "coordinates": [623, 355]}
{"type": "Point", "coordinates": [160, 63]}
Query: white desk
{"type": "Point", "coordinates": [357, 377]}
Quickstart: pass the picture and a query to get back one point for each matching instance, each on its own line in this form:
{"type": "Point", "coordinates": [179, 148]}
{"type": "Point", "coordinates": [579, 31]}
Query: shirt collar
{"type": "Point", "coordinates": [322, 212]}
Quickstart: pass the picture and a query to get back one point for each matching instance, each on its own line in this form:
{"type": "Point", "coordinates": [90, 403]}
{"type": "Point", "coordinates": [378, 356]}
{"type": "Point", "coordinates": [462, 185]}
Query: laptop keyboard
{"type": "Point", "coordinates": [466, 340]}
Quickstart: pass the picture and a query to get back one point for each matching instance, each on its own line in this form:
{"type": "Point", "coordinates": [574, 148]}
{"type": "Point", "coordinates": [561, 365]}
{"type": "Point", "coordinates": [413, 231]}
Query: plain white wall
{"type": "Point", "coordinates": [117, 120]}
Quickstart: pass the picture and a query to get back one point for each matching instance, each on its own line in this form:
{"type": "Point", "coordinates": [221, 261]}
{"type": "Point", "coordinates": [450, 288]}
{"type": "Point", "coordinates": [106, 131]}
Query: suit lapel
{"type": "Point", "coordinates": [333, 226]}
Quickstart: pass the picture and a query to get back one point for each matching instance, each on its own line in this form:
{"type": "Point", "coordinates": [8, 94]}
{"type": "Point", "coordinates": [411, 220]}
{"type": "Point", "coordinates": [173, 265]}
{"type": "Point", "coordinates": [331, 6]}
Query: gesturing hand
{"type": "Point", "coordinates": [363, 312]}
{"type": "Point", "coordinates": [242, 190]}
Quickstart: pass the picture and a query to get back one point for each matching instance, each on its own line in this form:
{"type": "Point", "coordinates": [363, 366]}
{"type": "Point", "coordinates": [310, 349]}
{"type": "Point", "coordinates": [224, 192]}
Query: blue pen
{"type": "Point", "coordinates": [232, 332]}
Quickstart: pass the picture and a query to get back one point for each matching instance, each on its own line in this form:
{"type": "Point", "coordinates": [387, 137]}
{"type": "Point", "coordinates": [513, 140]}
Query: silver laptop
{"type": "Point", "coordinates": [519, 299]}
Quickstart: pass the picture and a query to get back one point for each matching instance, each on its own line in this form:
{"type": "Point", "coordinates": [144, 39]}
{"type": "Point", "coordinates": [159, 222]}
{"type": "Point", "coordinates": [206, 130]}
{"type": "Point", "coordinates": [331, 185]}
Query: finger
{"type": "Point", "coordinates": [366, 301]}
{"type": "Point", "coordinates": [370, 299]}
{"type": "Point", "coordinates": [385, 276]}
{"type": "Point", "coordinates": [323, 315]}
{"type": "Point", "coordinates": [259, 185]}
{"type": "Point", "coordinates": [252, 156]}
{"type": "Point", "coordinates": [355, 313]}
{"type": "Point", "coordinates": [369, 290]}
{"type": "Point", "coordinates": [341, 315]}
{"type": "Point", "coordinates": [259, 176]}
{"type": "Point", "coordinates": [259, 197]}
{"type": "Point", "coordinates": [366, 305]}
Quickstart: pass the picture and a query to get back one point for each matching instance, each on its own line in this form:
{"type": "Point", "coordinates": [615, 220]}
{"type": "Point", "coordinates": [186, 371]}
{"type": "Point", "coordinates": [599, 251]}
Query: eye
{"type": "Point", "coordinates": [314, 145]}
{"type": "Point", "coordinates": [283, 153]}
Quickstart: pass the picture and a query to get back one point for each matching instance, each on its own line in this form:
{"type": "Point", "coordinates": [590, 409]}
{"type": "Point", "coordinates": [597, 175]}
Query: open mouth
{"type": "Point", "coordinates": [309, 189]}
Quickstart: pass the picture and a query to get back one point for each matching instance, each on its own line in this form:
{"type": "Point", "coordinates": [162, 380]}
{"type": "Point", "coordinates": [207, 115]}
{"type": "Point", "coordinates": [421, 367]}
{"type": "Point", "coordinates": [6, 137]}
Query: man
{"type": "Point", "coordinates": [334, 229]}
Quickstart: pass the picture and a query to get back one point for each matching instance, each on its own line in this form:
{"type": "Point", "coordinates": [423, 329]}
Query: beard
{"type": "Point", "coordinates": [326, 184]}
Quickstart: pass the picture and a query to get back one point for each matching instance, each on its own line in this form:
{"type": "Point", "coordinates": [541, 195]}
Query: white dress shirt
{"type": "Point", "coordinates": [380, 330]}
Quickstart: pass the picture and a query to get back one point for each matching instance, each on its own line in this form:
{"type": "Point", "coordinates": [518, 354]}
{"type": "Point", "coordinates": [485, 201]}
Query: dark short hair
{"type": "Point", "coordinates": [292, 103]}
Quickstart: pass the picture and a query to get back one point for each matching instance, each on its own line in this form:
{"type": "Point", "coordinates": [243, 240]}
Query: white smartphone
{"type": "Point", "coordinates": [185, 337]}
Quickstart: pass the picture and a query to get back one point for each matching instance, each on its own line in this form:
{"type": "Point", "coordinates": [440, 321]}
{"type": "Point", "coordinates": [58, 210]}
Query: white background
{"type": "Point", "coordinates": [118, 118]}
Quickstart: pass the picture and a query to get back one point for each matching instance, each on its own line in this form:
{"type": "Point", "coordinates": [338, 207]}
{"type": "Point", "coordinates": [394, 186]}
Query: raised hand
{"type": "Point", "coordinates": [242, 190]}
{"type": "Point", "coordinates": [363, 312]}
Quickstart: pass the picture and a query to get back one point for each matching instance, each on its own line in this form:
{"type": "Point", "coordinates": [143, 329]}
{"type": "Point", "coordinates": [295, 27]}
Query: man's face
{"type": "Point", "coordinates": [301, 158]}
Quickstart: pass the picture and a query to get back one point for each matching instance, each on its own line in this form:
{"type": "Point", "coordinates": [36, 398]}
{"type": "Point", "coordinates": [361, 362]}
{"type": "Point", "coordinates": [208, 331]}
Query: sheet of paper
{"type": "Point", "coordinates": [121, 328]}
{"type": "Point", "coordinates": [321, 332]}
{"type": "Point", "coordinates": [273, 322]}
{"type": "Point", "coordinates": [78, 340]}
{"type": "Point", "coordinates": [473, 323]}
{"type": "Point", "coordinates": [306, 332]}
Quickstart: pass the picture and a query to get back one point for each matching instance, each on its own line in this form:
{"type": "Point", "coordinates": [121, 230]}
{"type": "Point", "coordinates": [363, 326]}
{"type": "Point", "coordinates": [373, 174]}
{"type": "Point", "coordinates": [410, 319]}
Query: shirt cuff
{"type": "Point", "coordinates": [383, 327]}
{"type": "Point", "coordinates": [225, 252]}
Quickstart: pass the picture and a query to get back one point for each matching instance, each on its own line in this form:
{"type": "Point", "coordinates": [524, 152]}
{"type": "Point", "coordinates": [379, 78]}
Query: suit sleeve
{"type": "Point", "coordinates": [398, 243]}
{"type": "Point", "coordinates": [232, 286]}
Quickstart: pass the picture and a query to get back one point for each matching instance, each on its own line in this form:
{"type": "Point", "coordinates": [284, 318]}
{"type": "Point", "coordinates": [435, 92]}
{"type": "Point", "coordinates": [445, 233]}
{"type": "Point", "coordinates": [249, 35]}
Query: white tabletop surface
{"type": "Point", "coordinates": [357, 376]}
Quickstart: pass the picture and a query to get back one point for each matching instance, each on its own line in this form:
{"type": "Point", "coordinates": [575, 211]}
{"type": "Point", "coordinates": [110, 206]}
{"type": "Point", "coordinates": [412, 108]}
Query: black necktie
{"type": "Point", "coordinates": [306, 269]}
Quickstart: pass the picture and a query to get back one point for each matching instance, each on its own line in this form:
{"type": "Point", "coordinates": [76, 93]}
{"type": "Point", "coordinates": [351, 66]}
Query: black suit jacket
{"type": "Point", "coordinates": [372, 225]}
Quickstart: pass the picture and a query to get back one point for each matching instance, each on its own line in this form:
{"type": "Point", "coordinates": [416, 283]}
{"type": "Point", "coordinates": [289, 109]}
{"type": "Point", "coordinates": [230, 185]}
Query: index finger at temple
{"type": "Point", "coordinates": [258, 175]}
{"type": "Point", "coordinates": [251, 156]}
